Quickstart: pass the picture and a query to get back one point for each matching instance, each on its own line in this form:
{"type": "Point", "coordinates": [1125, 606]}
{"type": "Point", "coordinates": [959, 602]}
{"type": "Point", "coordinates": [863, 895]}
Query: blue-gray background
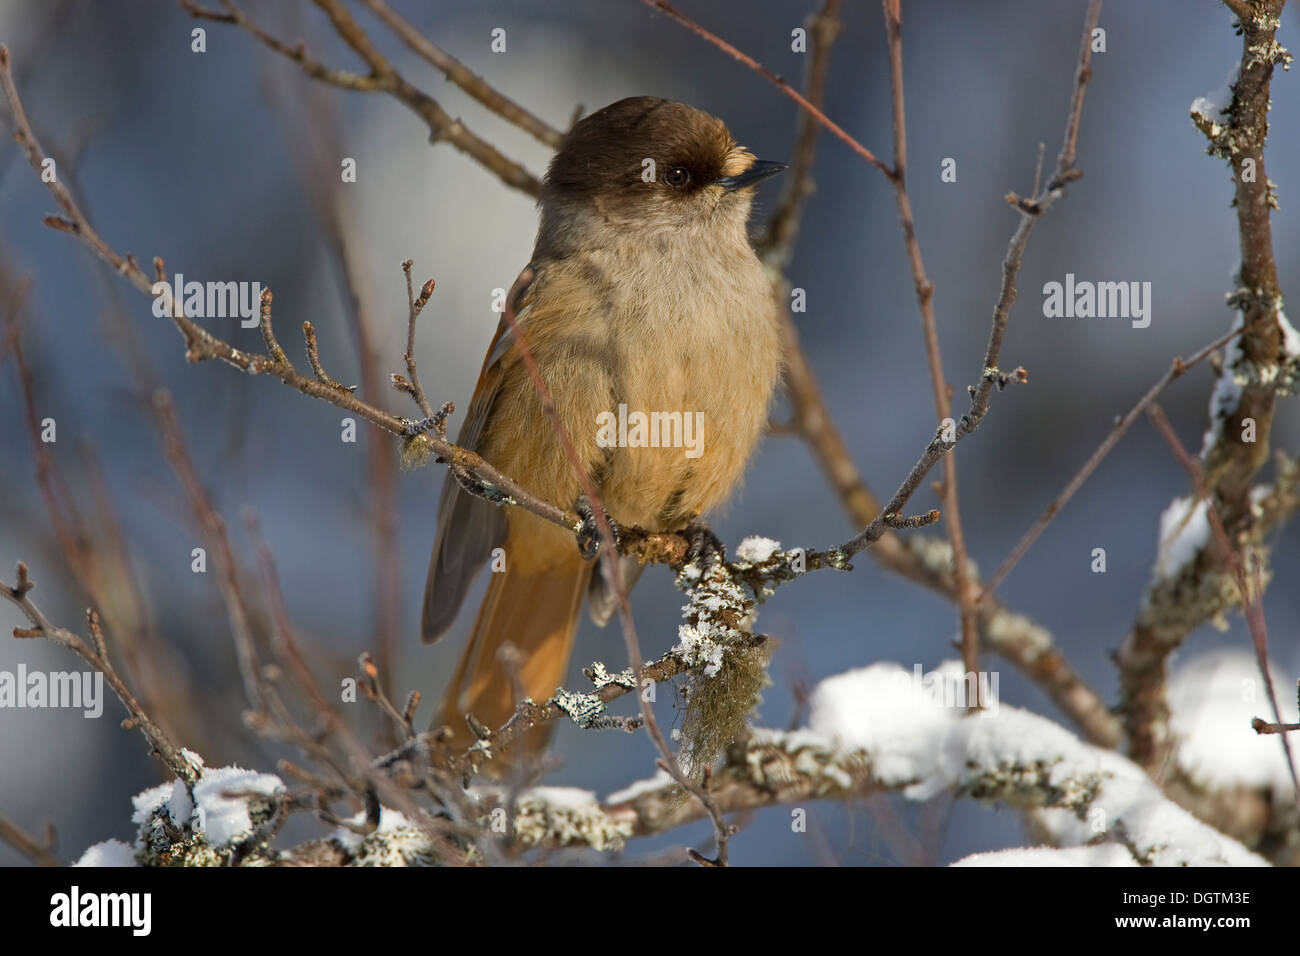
{"type": "Point", "coordinates": [193, 157]}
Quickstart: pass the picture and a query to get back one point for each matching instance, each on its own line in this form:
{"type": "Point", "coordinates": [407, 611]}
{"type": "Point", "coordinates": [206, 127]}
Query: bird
{"type": "Point", "coordinates": [643, 299]}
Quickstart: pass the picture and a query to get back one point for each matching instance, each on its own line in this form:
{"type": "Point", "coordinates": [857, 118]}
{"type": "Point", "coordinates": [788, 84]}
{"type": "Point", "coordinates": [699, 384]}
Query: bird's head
{"type": "Point", "coordinates": [651, 164]}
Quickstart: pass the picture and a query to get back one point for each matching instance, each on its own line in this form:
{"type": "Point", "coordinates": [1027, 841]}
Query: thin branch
{"type": "Point", "coordinates": [777, 244]}
{"type": "Point", "coordinates": [415, 307]}
{"type": "Point", "coordinates": [60, 505]}
{"type": "Point", "coordinates": [990, 376]}
{"type": "Point", "coordinates": [97, 658]}
{"type": "Point", "coordinates": [1066, 172]}
{"type": "Point", "coordinates": [1264, 727]}
{"type": "Point", "coordinates": [268, 333]}
{"type": "Point", "coordinates": [564, 704]}
{"type": "Point", "coordinates": [383, 78]}
{"type": "Point", "coordinates": [39, 850]}
{"type": "Point", "coordinates": [1177, 368]}
{"type": "Point", "coordinates": [218, 543]}
{"type": "Point", "coordinates": [934, 356]}
{"type": "Point", "coordinates": [201, 345]}
{"type": "Point", "coordinates": [466, 79]}
{"type": "Point", "coordinates": [775, 80]}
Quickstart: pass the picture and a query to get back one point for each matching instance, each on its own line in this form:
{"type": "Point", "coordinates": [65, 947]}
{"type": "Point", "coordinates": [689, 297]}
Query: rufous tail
{"type": "Point", "coordinates": [537, 612]}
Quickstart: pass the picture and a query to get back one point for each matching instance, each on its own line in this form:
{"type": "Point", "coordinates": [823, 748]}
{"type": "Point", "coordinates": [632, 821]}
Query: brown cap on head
{"type": "Point", "coordinates": [645, 149]}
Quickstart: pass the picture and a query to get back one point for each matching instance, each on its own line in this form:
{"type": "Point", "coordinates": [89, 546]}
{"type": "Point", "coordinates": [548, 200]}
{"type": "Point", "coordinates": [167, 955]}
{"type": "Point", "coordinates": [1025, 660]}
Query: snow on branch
{"type": "Point", "coordinates": [883, 728]}
{"type": "Point", "coordinates": [871, 729]}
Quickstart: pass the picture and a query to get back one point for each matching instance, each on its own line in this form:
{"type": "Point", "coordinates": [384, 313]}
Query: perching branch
{"type": "Point", "coordinates": [611, 567]}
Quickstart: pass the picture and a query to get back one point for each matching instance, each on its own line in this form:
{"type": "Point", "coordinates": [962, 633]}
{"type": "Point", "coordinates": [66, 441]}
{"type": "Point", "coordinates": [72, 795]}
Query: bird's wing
{"type": "Point", "coordinates": [469, 527]}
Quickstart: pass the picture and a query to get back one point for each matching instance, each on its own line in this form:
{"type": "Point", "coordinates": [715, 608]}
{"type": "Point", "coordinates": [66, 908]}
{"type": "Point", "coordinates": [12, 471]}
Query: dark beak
{"type": "Point", "coordinates": [761, 170]}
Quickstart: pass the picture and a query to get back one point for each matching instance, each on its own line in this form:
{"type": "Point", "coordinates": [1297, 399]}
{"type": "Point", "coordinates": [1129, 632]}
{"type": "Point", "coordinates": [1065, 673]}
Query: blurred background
{"type": "Point", "coordinates": [214, 160]}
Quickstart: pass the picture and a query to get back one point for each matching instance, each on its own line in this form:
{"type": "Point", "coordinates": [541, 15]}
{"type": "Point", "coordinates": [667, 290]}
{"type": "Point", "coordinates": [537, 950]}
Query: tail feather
{"type": "Point", "coordinates": [537, 612]}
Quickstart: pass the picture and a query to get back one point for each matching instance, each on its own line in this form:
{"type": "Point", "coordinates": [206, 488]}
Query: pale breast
{"type": "Point", "coordinates": [698, 358]}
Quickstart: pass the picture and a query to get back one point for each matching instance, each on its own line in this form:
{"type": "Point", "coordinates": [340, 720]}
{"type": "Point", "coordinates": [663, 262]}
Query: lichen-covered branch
{"type": "Point", "coordinates": [872, 729]}
{"type": "Point", "coordinates": [1257, 366]}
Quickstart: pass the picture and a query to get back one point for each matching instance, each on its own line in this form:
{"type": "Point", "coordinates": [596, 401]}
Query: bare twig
{"type": "Point", "coordinates": [1264, 727]}
{"type": "Point", "coordinates": [775, 80]}
{"type": "Point", "coordinates": [529, 714]}
{"type": "Point", "coordinates": [59, 504]}
{"type": "Point", "coordinates": [201, 345]}
{"type": "Point", "coordinates": [989, 377]}
{"type": "Point", "coordinates": [383, 78]}
{"type": "Point", "coordinates": [1065, 173]}
{"type": "Point", "coordinates": [777, 243]}
{"type": "Point", "coordinates": [415, 307]}
{"type": "Point", "coordinates": [373, 689]}
{"type": "Point", "coordinates": [1177, 368]}
{"type": "Point", "coordinates": [939, 384]}
{"type": "Point", "coordinates": [268, 333]}
{"type": "Point", "coordinates": [356, 295]}
{"type": "Point", "coordinates": [39, 850]}
{"type": "Point", "coordinates": [214, 529]}
{"type": "Point", "coordinates": [466, 79]}
{"type": "Point", "coordinates": [97, 658]}
{"type": "Point", "coordinates": [313, 357]}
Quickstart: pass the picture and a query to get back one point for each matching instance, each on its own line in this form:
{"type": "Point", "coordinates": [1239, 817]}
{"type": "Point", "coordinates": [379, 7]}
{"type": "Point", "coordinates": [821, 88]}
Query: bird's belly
{"type": "Point", "coordinates": [685, 425]}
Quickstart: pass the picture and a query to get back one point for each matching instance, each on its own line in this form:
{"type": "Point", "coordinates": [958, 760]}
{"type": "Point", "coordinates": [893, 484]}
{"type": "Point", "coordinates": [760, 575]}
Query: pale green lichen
{"type": "Point", "coordinates": [599, 675]}
{"type": "Point", "coordinates": [558, 817]}
{"type": "Point", "coordinates": [729, 666]}
{"type": "Point", "coordinates": [395, 842]}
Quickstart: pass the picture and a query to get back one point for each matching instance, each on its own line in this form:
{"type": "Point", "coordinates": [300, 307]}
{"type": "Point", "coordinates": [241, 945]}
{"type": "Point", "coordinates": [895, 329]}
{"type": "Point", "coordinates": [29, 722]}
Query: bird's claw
{"type": "Point", "coordinates": [588, 532]}
{"type": "Point", "coordinates": [412, 427]}
{"type": "Point", "coordinates": [704, 547]}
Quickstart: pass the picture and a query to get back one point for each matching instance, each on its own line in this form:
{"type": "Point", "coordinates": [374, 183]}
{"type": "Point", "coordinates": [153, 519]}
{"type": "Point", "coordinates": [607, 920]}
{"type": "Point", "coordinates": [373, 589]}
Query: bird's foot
{"type": "Point", "coordinates": [438, 423]}
{"type": "Point", "coordinates": [704, 546]}
{"type": "Point", "coordinates": [588, 532]}
{"type": "Point", "coordinates": [412, 427]}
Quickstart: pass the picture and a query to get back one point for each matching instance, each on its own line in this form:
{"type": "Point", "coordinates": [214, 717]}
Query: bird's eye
{"type": "Point", "coordinates": [677, 177]}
